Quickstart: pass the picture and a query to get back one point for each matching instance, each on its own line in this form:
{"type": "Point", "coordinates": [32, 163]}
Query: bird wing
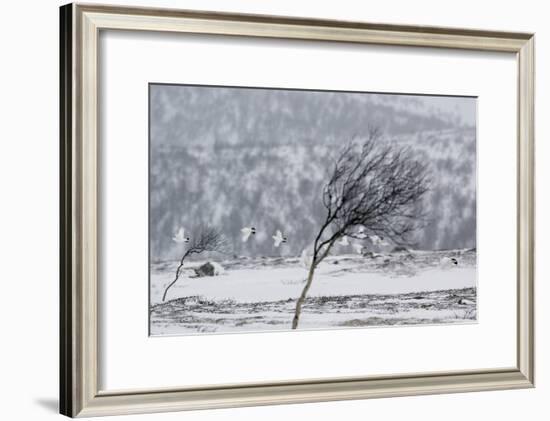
{"type": "Point", "coordinates": [305, 258]}
{"type": "Point", "coordinates": [277, 242]}
{"type": "Point", "coordinates": [246, 234]}
{"type": "Point", "coordinates": [178, 237]}
{"type": "Point", "coordinates": [279, 234]}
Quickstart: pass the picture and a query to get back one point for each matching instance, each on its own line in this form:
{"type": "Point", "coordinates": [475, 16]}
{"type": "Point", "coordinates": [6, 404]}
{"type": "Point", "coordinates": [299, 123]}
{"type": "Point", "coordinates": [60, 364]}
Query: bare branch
{"type": "Point", "coordinates": [373, 185]}
{"type": "Point", "coordinates": [206, 239]}
{"type": "Point", "coordinates": [376, 187]}
{"type": "Point", "coordinates": [203, 239]}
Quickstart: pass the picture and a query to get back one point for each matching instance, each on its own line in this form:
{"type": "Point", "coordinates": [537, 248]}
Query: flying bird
{"type": "Point", "coordinates": [449, 262]}
{"type": "Point", "coordinates": [180, 237]}
{"type": "Point", "coordinates": [278, 238]}
{"type": "Point", "coordinates": [465, 301]}
{"type": "Point", "coordinates": [361, 233]}
{"type": "Point", "coordinates": [376, 240]}
{"type": "Point", "coordinates": [344, 241]}
{"type": "Point", "coordinates": [246, 232]}
{"type": "Point", "coordinates": [306, 259]}
{"type": "Point", "coordinates": [357, 247]}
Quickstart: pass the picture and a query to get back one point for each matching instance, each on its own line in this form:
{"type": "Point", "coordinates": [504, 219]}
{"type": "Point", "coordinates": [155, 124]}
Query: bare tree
{"type": "Point", "coordinates": [372, 185]}
{"type": "Point", "coordinates": [203, 239]}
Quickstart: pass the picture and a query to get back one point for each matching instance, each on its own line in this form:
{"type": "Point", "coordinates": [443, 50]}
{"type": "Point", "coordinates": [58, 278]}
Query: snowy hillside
{"type": "Point", "coordinates": [234, 157]}
{"type": "Point", "coordinates": [279, 187]}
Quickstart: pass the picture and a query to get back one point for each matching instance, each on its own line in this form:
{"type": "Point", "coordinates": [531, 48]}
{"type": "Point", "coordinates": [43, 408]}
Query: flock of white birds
{"type": "Point", "coordinates": [279, 238]}
{"type": "Point", "coordinates": [306, 255]}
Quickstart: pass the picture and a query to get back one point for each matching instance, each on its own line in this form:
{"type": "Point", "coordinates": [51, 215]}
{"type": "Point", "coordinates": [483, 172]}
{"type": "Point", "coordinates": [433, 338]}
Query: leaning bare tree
{"type": "Point", "coordinates": [203, 239]}
{"type": "Point", "coordinates": [372, 185]}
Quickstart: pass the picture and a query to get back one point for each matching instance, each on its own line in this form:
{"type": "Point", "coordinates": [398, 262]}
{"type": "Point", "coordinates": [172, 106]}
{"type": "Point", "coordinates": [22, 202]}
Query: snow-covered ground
{"type": "Point", "coordinates": [403, 288]}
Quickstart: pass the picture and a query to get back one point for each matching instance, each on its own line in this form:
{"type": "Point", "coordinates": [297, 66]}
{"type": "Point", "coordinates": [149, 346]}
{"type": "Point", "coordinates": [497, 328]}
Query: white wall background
{"type": "Point", "coordinates": [29, 208]}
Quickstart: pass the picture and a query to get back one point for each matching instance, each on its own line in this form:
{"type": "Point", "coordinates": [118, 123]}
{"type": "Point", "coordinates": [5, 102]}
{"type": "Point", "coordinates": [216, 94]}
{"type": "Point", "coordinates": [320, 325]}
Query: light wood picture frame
{"type": "Point", "coordinates": [80, 26]}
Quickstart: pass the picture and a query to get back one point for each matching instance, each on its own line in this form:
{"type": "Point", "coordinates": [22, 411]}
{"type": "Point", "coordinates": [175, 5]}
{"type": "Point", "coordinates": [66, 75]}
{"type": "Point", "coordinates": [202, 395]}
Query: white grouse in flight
{"type": "Point", "coordinates": [344, 241]}
{"type": "Point", "coordinates": [180, 237]}
{"type": "Point", "coordinates": [358, 248]}
{"type": "Point", "coordinates": [361, 234]}
{"type": "Point", "coordinates": [246, 232]}
{"type": "Point", "coordinates": [278, 238]}
{"type": "Point", "coordinates": [378, 241]}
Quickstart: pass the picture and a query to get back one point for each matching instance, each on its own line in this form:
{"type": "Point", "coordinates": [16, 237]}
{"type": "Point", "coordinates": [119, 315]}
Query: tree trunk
{"type": "Point", "coordinates": [174, 281]}
{"type": "Point", "coordinates": [187, 253]}
{"type": "Point", "coordinates": [303, 295]}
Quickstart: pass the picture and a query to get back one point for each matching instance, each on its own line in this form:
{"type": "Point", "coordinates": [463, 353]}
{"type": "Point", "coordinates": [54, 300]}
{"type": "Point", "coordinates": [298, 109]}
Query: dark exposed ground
{"type": "Point", "coordinates": [195, 314]}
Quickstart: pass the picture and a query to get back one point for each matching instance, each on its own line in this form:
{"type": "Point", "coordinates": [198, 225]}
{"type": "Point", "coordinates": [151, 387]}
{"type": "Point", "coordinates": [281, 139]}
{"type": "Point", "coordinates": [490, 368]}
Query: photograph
{"type": "Point", "coordinates": [258, 209]}
{"type": "Point", "coordinates": [280, 209]}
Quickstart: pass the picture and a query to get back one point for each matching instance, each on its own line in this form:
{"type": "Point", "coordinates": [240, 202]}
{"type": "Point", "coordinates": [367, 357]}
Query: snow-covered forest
{"type": "Point", "coordinates": [231, 158]}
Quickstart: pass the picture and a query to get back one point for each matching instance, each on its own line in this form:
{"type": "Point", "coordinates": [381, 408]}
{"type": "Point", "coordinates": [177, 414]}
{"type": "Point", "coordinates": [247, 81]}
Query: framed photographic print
{"type": "Point", "coordinates": [261, 210]}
